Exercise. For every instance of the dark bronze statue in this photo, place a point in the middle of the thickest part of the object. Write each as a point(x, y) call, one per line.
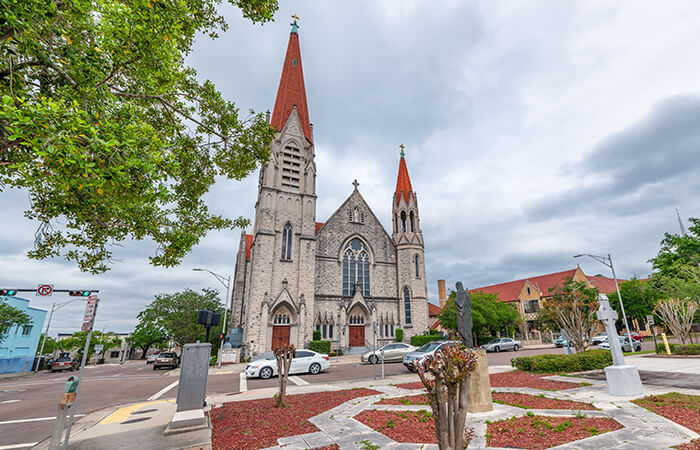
point(463, 302)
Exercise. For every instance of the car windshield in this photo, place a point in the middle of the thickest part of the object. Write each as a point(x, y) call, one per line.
point(166, 355)
point(429, 347)
point(494, 341)
point(264, 355)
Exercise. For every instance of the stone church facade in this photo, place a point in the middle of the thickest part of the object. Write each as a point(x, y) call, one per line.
point(294, 275)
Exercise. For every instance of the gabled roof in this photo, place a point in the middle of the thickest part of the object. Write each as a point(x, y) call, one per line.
point(403, 182)
point(248, 245)
point(433, 310)
point(319, 225)
point(291, 91)
point(605, 285)
point(509, 291)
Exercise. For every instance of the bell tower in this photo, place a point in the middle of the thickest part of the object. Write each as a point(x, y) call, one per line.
point(410, 254)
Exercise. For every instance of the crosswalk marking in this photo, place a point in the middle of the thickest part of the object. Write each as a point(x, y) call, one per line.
point(38, 419)
point(244, 382)
point(298, 381)
point(158, 394)
point(13, 446)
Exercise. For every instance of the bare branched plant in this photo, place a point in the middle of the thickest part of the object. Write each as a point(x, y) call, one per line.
point(677, 315)
point(284, 355)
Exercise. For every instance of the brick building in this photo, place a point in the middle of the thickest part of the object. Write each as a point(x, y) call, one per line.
point(294, 275)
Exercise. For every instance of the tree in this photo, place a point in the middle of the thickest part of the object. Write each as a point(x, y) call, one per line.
point(638, 296)
point(677, 315)
point(176, 315)
point(51, 344)
point(110, 133)
point(9, 316)
point(284, 355)
point(451, 368)
point(145, 335)
point(77, 342)
point(678, 251)
point(572, 308)
point(488, 314)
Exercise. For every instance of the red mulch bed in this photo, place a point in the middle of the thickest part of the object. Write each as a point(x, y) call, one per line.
point(515, 379)
point(525, 379)
point(536, 432)
point(420, 399)
point(256, 424)
point(402, 426)
point(683, 409)
point(533, 402)
point(692, 445)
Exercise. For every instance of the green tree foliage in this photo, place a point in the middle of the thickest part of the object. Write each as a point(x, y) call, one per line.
point(489, 315)
point(572, 308)
point(678, 251)
point(175, 315)
point(110, 133)
point(77, 342)
point(9, 316)
point(146, 335)
point(51, 344)
point(639, 298)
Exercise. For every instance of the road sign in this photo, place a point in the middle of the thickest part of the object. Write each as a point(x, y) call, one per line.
point(44, 290)
point(650, 319)
point(90, 311)
point(98, 348)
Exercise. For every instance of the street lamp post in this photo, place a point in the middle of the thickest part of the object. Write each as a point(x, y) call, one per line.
point(608, 262)
point(54, 308)
point(226, 281)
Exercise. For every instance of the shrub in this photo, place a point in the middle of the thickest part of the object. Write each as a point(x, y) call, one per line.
point(661, 348)
point(320, 346)
point(678, 349)
point(417, 341)
point(317, 335)
point(399, 335)
point(578, 362)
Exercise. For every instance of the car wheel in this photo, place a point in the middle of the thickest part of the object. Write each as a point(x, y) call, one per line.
point(372, 359)
point(154, 367)
point(516, 348)
point(315, 368)
point(497, 349)
point(265, 373)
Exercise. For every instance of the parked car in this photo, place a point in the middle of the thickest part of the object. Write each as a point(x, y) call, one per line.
point(150, 359)
point(498, 344)
point(166, 359)
point(62, 363)
point(561, 342)
point(637, 337)
point(305, 361)
point(599, 338)
point(423, 351)
point(625, 344)
point(392, 352)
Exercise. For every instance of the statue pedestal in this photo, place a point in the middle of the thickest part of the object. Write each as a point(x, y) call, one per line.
point(480, 386)
point(623, 380)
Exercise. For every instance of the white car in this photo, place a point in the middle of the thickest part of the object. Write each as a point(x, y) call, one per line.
point(305, 361)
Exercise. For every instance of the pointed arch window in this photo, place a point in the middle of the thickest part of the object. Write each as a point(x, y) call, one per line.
point(403, 221)
point(407, 305)
point(415, 259)
point(287, 242)
point(355, 268)
point(410, 216)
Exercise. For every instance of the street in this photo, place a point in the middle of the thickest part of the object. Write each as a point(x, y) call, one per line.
point(28, 403)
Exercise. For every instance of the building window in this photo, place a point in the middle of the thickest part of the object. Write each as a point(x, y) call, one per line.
point(287, 242)
point(528, 290)
point(531, 306)
point(26, 330)
point(355, 268)
point(325, 331)
point(291, 165)
point(281, 319)
point(114, 354)
point(381, 331)
point(318, 327)
point(407, 305)
point(411, 222)
point(415, 258)
point(403, 221)
point(330, 331)
point(357, 320)
point(392, 329)
point(386, 329)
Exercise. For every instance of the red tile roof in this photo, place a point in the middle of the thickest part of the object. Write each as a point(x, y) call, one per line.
point(433, 310)
point(291, 91)
point(509, 291)
point(605, 285)
point(436, 325)
point(248, 245)
point(319, 225)
point(403, 182)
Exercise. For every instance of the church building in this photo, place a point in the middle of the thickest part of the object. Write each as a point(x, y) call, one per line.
point(294, 275)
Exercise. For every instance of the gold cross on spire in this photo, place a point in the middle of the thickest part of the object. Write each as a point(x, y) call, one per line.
point(402, 153)
point(295, 17)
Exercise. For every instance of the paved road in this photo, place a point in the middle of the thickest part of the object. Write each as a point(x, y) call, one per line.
point(26, 401)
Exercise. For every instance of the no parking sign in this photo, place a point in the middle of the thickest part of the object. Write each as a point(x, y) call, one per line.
point(45, 290)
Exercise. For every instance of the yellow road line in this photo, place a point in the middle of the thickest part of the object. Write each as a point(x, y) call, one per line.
point(124, 413)
point(223, 372)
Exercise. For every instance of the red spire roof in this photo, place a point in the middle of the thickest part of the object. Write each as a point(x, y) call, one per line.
point(403, 182)
point(291, 91)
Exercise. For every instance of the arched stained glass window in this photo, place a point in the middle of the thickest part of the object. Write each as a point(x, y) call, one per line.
point(403, 221)
point(411, 220)
point(407, 305)
point(415, 258)
point(355, 268)
point(287, 242)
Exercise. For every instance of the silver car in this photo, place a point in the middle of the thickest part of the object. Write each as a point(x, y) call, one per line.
point(625, 344)
point(498, 344)
point(392, 352)
point(419, 354)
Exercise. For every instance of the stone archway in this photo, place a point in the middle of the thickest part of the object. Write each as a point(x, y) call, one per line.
point(358, 321)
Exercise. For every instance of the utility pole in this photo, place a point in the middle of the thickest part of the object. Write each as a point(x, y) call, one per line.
point(227, 285)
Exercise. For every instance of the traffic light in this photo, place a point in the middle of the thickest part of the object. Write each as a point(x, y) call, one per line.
point(8, 292)
point(79, 293)
point(221, 336)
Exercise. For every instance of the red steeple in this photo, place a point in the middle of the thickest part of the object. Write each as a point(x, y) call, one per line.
point(403, 182)
point(291, 91)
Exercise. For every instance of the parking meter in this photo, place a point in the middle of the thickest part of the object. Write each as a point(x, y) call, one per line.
point(71, 388)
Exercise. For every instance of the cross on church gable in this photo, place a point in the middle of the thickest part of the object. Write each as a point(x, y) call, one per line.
point(355, 183)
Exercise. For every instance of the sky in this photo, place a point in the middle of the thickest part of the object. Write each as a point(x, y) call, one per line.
point(534, 131)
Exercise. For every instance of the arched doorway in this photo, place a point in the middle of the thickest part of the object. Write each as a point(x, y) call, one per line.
point(281, 323)
point(356, 327)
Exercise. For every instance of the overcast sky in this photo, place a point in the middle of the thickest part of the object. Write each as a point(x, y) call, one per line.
point(533, 131)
